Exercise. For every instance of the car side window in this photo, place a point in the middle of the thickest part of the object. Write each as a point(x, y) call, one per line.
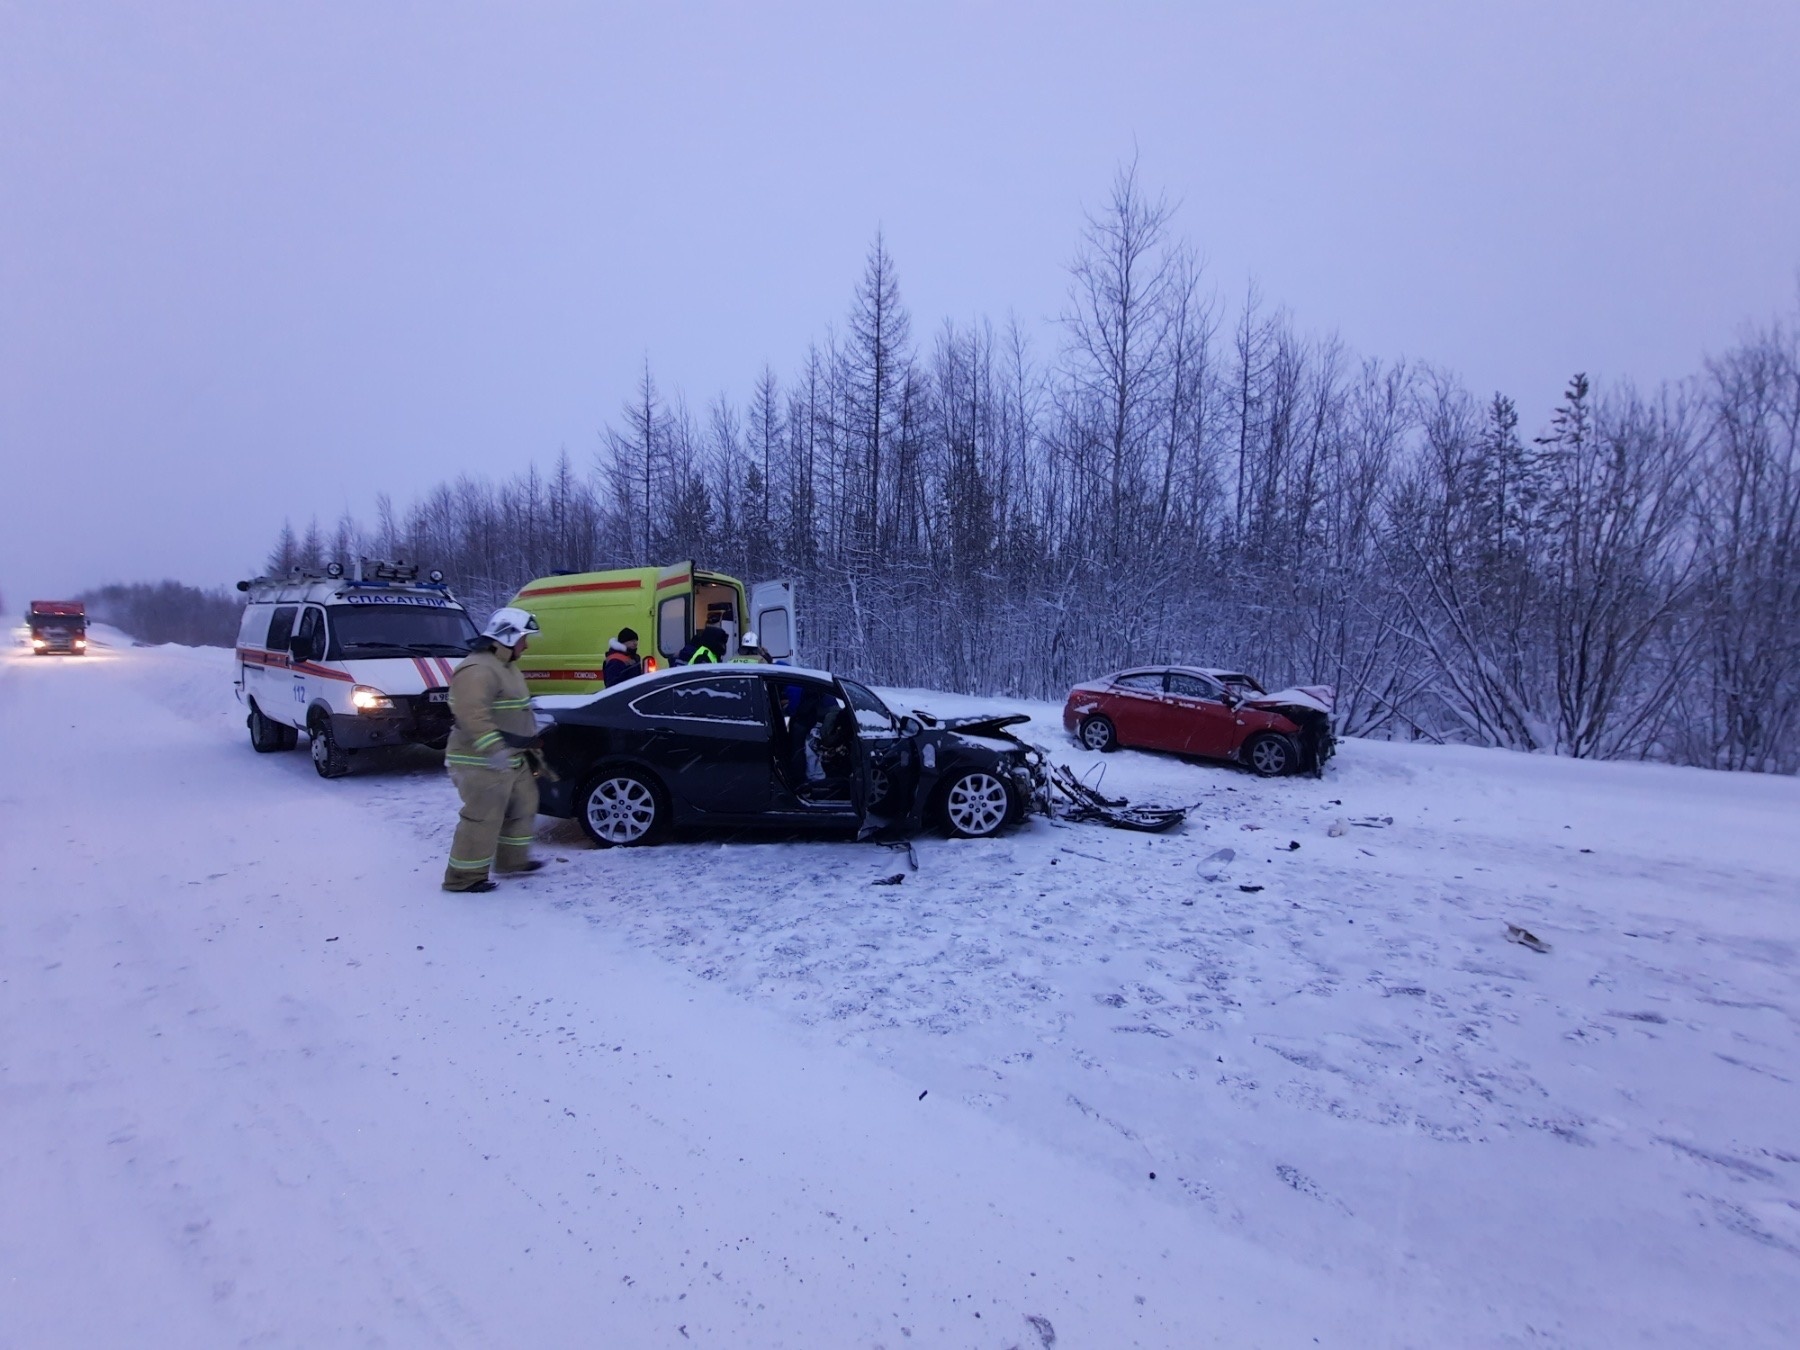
point(736, 701)
point(1144, 682)
point(281, 628)
point(1192, 686)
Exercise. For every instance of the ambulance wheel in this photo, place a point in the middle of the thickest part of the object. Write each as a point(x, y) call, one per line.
point(268, 736)
point(1097, 733)
point(976, 805)
point(328, 757)
point(623, 808)
point(1270, 755)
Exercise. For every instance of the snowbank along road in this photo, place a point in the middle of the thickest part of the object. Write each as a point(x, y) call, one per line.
point(1279, 1078)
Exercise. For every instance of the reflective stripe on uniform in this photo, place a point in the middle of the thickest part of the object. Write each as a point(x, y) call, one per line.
point(493, 738)
point(516, 839)
point(464, 865)
point(511, 703)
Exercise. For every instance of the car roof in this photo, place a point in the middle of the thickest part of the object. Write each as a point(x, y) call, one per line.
point(678, 674)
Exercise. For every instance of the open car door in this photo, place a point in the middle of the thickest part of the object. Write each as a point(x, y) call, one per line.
point(674, 611)
point(772, 619)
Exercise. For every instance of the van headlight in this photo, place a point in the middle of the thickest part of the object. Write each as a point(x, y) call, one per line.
point(366, 698)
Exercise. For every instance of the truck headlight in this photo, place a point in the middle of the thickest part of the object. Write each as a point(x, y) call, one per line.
point(366, 698)
point(38, 643)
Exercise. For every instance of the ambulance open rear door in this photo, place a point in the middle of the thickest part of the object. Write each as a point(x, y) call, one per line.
point(772, 618)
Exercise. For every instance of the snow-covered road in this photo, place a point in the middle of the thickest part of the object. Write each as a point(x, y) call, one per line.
point(261, 1082)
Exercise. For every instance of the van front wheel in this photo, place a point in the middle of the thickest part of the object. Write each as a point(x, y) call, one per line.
point(328, 757)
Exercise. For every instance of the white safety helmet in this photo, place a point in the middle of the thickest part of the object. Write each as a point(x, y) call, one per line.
point(507, 626)
point(748, 642)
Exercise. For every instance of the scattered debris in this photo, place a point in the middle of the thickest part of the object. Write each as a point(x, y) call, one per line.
point(922, 1094)
point(1251, 890)
point(1217, 860)
point(1041, 1325)
point(1248, 826)
point(1374, 822)
point(1085, 803)
point(894, 880)
point(1526, 938)
point(1337, 830)
point(1091, 857)
point(1293, 845)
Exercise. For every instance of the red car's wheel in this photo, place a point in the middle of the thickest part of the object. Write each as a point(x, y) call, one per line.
point(1271, 755)
point(1097, 733)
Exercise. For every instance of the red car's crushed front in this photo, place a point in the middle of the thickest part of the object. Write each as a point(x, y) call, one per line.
point(1215, 714)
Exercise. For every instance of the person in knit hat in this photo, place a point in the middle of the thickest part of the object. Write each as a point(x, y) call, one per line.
point(622, 662)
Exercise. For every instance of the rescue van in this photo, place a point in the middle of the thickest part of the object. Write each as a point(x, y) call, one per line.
point(353, 661)
point(580, 612)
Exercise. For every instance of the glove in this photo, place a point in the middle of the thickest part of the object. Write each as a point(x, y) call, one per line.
point(518, 742)
point(540, 767)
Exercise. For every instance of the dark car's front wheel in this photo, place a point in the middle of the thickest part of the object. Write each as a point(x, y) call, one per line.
point(621, 808)
point(976, 804)
point(1097, 733)
point(1271, 755)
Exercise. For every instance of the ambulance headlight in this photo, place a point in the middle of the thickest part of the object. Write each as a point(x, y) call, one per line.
point(366, 698)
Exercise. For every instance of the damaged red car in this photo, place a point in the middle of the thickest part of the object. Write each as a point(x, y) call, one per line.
point(1213, 714)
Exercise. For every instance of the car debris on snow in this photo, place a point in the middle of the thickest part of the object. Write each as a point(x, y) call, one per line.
point(1526, 938)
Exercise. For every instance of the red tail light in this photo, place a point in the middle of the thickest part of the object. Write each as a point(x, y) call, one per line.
point(650, 666)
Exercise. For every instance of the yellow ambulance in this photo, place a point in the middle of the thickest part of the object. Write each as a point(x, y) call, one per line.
point(581, 612)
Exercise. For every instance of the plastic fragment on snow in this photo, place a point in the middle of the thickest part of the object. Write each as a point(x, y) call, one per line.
point(1251, 890)
point(894, 880)
point(1526, 938)
point(1337, 829)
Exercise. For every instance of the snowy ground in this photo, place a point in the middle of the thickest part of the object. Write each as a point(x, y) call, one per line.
point(262, 1083)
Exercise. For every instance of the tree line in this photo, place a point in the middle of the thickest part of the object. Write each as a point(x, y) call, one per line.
point(1179, 479)
point(168, 611)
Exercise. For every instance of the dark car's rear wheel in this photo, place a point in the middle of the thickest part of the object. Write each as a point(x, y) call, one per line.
point(1097, 733)
point(1271, 755)
point(976, 804)
point(621, 808)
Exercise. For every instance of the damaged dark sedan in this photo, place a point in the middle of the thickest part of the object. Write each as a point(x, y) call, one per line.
point(757, 746)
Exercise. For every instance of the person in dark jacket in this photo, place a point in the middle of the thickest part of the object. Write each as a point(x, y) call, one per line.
point(707, 648)
point(622, 661)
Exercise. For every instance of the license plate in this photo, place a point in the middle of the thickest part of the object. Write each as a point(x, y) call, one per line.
point(438, 696)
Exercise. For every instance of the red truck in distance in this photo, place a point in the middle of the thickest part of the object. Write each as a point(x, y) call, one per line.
point(57, 626)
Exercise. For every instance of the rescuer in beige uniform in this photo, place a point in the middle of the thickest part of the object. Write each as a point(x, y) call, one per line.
point(489, 756)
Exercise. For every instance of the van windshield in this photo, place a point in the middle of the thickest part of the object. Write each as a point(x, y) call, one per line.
point(398, 630)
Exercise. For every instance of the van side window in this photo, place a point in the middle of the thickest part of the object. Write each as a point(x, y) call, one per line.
point(312, 632)
point(281, 627)
point(672, 625)
point(255, 627)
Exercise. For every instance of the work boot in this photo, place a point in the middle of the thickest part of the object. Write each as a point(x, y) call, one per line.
point(530, 865)
point(463, 882)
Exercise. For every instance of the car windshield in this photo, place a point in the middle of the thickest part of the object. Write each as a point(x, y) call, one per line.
point(1240, 684)
point(399, 630)
point(871, 713)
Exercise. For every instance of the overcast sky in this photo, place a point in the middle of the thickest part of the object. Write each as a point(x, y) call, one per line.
point(267, 260)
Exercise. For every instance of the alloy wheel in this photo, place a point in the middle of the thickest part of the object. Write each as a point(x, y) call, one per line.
point(621, 810)
point(976, 804)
